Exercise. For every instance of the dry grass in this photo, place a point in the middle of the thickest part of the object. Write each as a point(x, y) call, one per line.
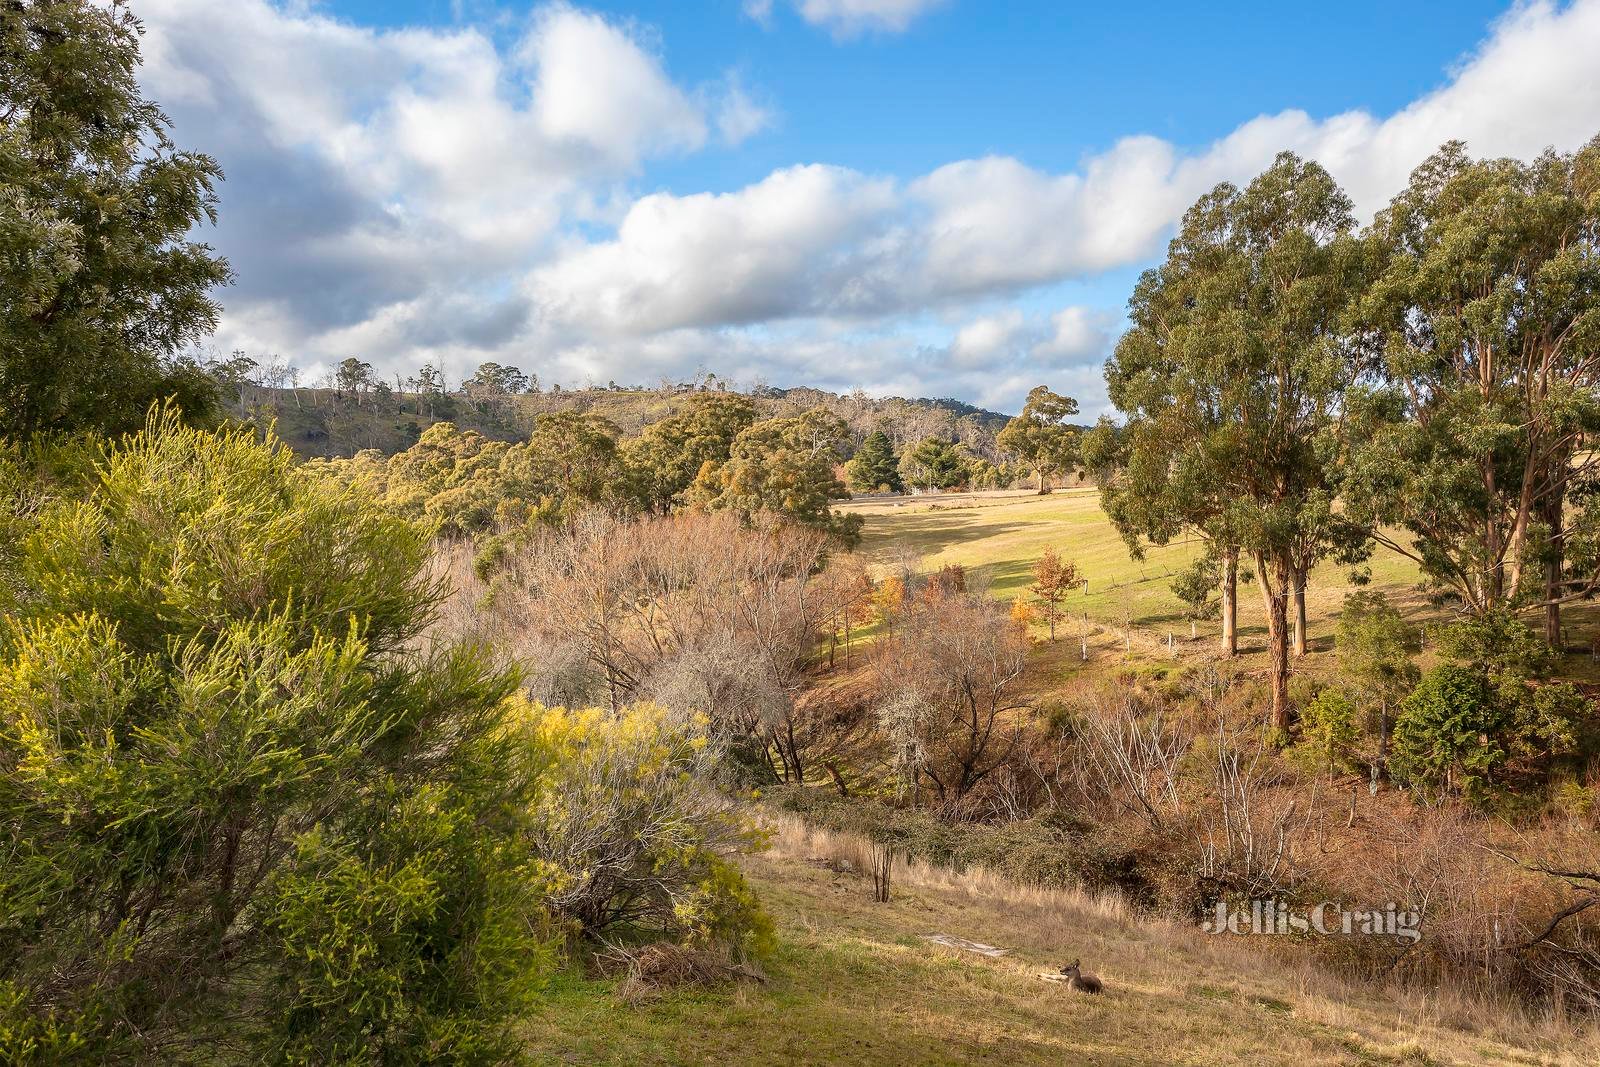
point(855, 983)
point(1005, 533)
point(1145, 958)
point(1002, 535)
point(653, 969)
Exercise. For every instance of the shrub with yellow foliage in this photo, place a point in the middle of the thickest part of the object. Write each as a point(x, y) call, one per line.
point(631, 836)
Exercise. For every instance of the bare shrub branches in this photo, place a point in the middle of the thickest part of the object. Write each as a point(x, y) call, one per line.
point(696, 611)
point(947, 684)
point(1129, 756)
point(1250, 836)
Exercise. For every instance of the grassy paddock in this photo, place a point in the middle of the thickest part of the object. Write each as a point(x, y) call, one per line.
point(1002, 535)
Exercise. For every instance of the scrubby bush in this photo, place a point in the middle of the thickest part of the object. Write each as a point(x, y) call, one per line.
point(1197, 585)
point(631, 837)
point(1473, 724)
point(1448, 733)
point(1330, 728)
point(240, 817)
point(947, 693)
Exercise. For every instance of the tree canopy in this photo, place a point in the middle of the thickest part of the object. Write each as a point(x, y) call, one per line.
point(101, 285)
point(1041, 436)
point(874, 467)
point(1477, 439)
point(1233, 375)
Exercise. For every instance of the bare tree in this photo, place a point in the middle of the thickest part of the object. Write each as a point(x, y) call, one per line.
point(699, 611)
point(947, 684)
point(1251, 834)
point(1129, 756)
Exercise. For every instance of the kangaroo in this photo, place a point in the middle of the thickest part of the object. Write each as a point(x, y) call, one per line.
point(1080, 982)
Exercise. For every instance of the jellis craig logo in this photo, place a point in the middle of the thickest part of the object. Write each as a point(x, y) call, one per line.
point(1329, 919)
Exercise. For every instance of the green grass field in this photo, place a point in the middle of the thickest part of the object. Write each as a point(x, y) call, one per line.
point(1003, 535)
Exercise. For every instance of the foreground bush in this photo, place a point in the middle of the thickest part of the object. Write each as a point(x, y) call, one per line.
point(239, 819)
point(632, 837)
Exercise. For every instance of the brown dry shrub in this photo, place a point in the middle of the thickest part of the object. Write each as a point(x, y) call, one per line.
point(650, 970)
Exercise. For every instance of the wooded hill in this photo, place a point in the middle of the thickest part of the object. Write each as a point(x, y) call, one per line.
point(333, 421)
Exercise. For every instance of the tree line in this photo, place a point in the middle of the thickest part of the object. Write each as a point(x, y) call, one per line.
point(1297, 389)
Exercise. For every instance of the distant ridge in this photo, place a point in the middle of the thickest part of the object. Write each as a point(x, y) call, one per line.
point(330, 422)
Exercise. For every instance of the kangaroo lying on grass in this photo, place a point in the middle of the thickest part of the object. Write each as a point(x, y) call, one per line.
point(1080, 982)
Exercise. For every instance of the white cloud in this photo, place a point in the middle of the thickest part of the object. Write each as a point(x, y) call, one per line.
point(596, 87)
point(426, 194)
point(370, 167)
point(739, 116)
point(791, 244)
point(999, 356)
point(850, 18)
point(991, 360)
point(1075, 332)
point(759, 10)
point(983, 340)
point(826, 241)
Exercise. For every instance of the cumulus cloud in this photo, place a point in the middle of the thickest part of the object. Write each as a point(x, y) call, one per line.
point(791, 244)
point(826, 241)
point(432, 194)
point(1000, 356)
point(595, 87)
point(991, 359)
point(373, 168)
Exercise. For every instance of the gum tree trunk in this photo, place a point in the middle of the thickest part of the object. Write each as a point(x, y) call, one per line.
point(1276, 584)
point(1299, 612)
point(1230, 601)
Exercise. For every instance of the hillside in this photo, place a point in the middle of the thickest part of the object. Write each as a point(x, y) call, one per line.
point(325, 422)
point(855, 983)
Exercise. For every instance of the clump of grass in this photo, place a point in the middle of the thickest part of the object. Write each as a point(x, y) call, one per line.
point(651, 970)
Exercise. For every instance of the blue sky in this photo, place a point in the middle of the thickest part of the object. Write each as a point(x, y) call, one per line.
point(1027, 79)
point(937, 197)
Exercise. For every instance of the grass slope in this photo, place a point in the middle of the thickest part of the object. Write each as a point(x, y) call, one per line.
point(855, 983)
point(1003, 534)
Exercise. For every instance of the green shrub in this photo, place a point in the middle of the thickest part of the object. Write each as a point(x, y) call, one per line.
point(1330, 727)
point(1456, 733)
point(630, 834)
point(1472, 725)
point(1447, 735)
point(239, 813)
point(1196, 585)
point(368, 940)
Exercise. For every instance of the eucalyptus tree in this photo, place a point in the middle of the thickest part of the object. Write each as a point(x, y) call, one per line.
point(101, 285)
point(663, 461)
point(1041, 436)
point(1479, 452)
point(784, 465)
point(1153, 492)
point(1232, 379)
